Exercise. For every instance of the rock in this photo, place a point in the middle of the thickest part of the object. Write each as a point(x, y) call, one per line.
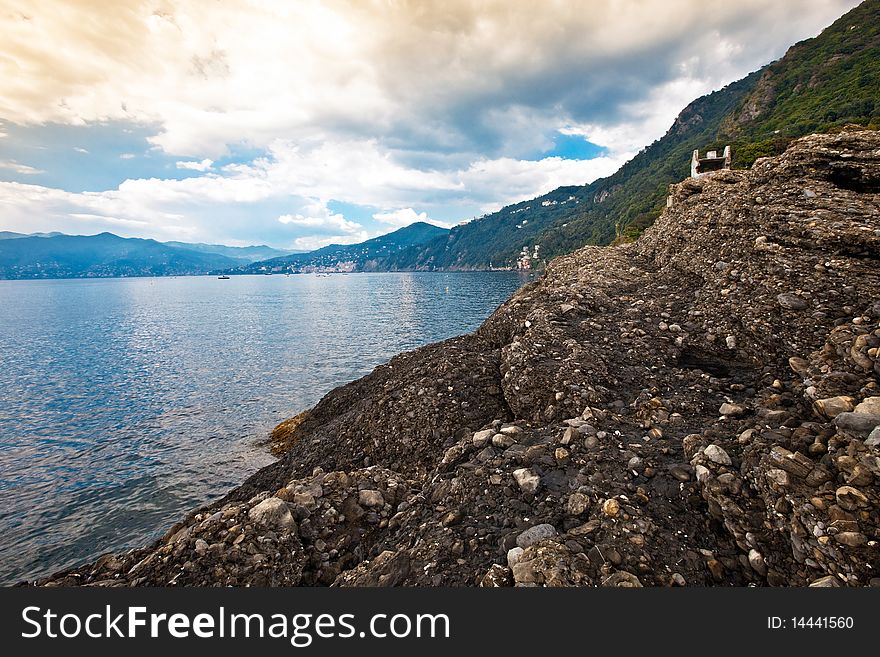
point(201, 546)
point(791, 302)
point(792, 462)
point(536, 534)
point(873, 439)
point(497, 576)
point(513, 556)
point(731, 410)
point(778, 477)
point(452, 518)
point(850, 498)
point(371, 499)
point(860, 424)
point(622, 579)
point(756, 561)
point(730, 341)
point(829, 581)
point(565, 308)
point(611, 507)
point(852, 539)
point(869, 406)
point(502, 441)
point(831, 407)
point(527, 480)
point(577, 504)
point(482, 438)
point(273, 512)
point(717, 455)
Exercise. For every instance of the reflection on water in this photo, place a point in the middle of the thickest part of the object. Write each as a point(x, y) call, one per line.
point(126, 402)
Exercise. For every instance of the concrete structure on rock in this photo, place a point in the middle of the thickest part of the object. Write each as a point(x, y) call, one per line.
point(712, 162)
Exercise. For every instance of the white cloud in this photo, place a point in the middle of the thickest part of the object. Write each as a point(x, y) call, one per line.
point(318, 217)
point(312, 242)
point(80, 150)
point(405, 217)
point(204, 165)
point(12, 165)
point(127, 156)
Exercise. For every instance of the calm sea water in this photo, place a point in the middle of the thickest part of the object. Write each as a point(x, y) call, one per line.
point(124, 403)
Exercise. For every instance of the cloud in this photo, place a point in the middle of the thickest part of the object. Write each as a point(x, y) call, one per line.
point(312, 242)
point(12, 165)
point(445, 107)
point(319, 218)
point(80, 150)
point(405, 217)
point(204, 165)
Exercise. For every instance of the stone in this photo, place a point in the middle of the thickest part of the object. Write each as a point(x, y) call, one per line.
point(502, 441)
point(536, 534)
point(273, 512)
point(482, 438)
point(201, 546)
point(527, 480)
point(513, 556)
point(778, 477)
point(852, 539)
point(831, 407)
point(371, 499)
point(497, 576)
point(756, 561)
point(565, 308)
point(622, 579)
point(794, 463)
point(850, 498)
point(859, 424)
point(869, 406)
point(731, 410)
point(611, 507)
point(829, 581)
point(577, 504)
point(791, 301)
point(873, 439)
point(730, 341)
point(717, 455)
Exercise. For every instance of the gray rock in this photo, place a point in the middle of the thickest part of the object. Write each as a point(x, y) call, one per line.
point(873, 439)
point(577, 504)
point(273, 512)
point(371, 499)
point(717, 455)
point(860, 424)
point(482, 438)
point(791, 301)
point(731, 410)
point(513, 556)
point(829, 581)
point(527, 480)
point(535, 534)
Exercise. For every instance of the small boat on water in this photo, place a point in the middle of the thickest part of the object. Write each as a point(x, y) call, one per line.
point(223, 278)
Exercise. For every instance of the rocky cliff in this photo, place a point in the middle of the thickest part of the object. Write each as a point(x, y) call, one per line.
point(700, 407)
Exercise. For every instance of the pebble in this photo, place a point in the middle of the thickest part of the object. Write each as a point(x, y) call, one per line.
point(829, 581)
point(731, 410)
point(791, 301)
point(273, 512)
point(534, 535)
point(577, 504)
point(482, 438)
point(527, 480)
point(611, 507)
point(513, 556)
point(831, 407)
point(717, 455)
point(371, 499)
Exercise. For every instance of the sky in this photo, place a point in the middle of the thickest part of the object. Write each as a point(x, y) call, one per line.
point(303, 123)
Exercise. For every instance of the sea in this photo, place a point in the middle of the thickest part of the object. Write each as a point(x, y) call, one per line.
point(125, 403)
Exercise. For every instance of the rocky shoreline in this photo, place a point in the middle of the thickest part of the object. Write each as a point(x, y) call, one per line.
point(701, 407)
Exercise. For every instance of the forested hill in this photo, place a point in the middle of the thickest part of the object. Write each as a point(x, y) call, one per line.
point(819, 85)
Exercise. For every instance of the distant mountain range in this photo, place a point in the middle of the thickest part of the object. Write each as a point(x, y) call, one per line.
point(55, 255)
point(372, 255)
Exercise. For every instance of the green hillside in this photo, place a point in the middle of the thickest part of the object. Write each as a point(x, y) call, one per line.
point(819, 85)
